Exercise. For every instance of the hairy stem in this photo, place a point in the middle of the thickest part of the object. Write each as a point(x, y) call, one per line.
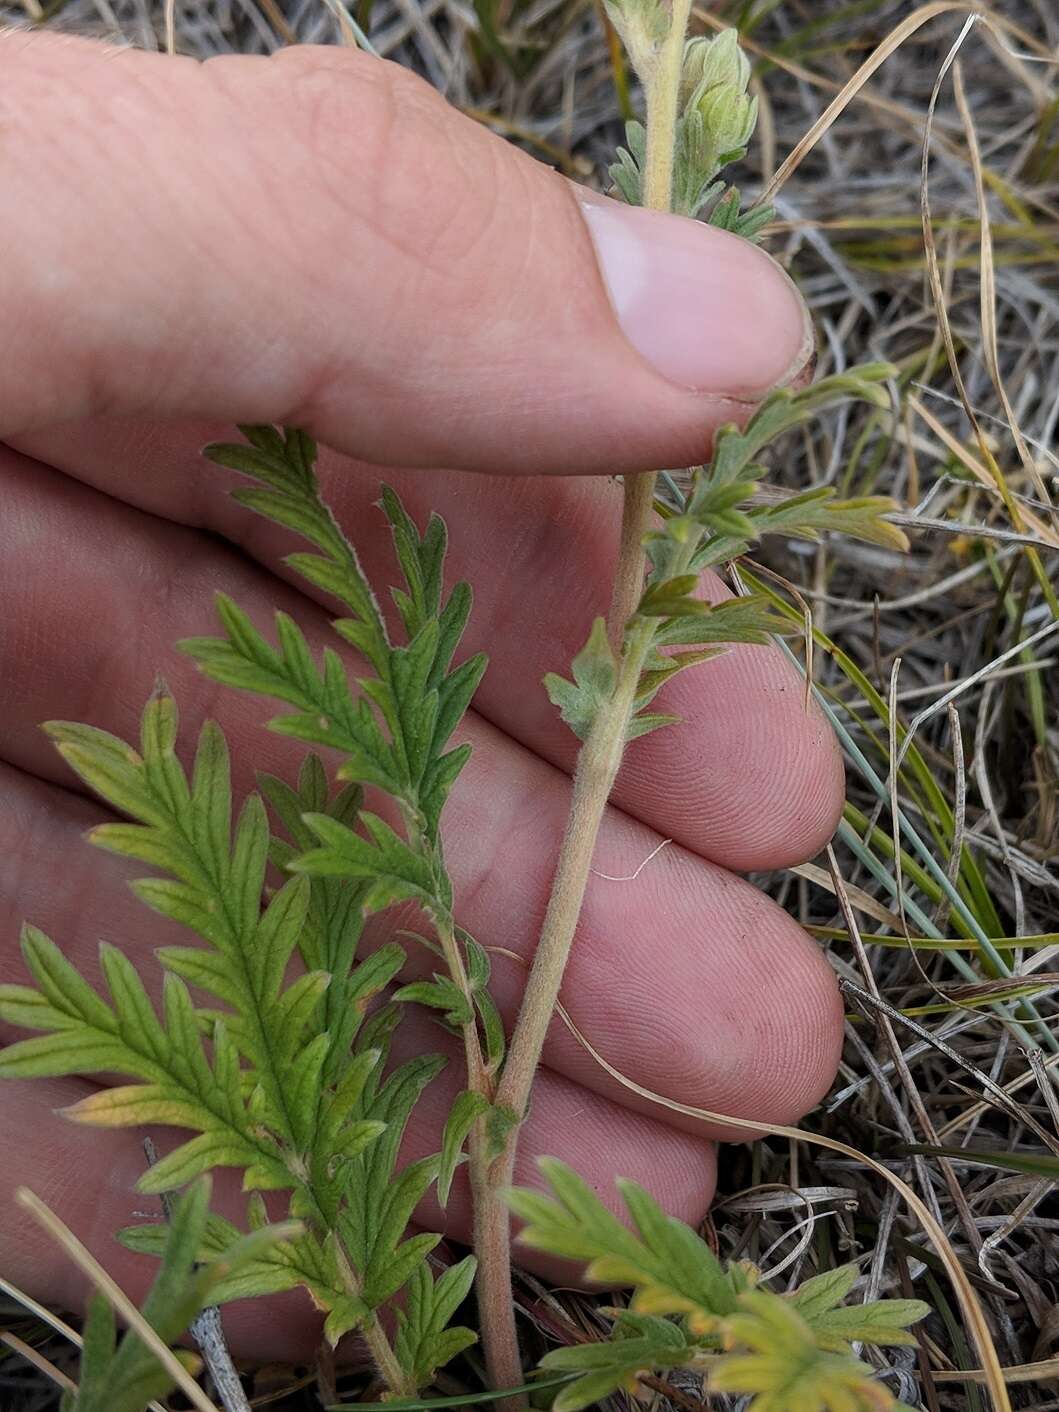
point(597, 767)
point(639, 495)
point(397, 1382)
point(493, 1285)
point(661, 82)
point(492, 1247)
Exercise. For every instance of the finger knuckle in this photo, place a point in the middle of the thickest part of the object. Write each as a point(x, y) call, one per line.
point(357, 119)
point(399, 164)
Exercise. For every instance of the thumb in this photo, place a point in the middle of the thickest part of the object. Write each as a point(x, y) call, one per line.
point(317, 238)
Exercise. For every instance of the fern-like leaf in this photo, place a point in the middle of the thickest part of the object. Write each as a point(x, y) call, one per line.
point(395, 735)
point(426, 1338)
point(786, 1351)
point(670, 1267)
point(178, 1085)
point(293, 1100)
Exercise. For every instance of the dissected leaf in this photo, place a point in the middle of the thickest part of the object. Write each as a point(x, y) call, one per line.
point(810, 514)
point(783, 1366)
point(426, 1340)
point(787, 1351)
point(466, 1110)
point(395, 733)
point(392, 871)
point(379, 1198)
point(670, 1267)
point(595, 673)
point(443, 994)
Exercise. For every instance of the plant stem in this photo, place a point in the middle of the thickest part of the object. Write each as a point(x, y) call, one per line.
point(597, 767)
point(493, 1284)
point(492, 1247)
point(639, 495)
point(662, 96)
point(385, 1359)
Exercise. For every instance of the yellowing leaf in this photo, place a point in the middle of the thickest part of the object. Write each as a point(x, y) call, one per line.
point(135, 1104)
point(778, 1359)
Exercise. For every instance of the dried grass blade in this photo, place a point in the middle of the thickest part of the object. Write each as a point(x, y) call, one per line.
point(40, 1312)
point(973, 1314)
point(46, 1316)
point(842, 100)
point(937, 294)
point(42, 1364)
point(1041, 1372)
point(90, 1266)
point(988, 291)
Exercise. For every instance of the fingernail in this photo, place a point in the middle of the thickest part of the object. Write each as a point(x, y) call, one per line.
point(705, 308)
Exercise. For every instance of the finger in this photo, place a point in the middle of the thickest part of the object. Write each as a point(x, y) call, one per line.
point(43, 822)
point(328, 244)
point(604, 1141)
point(88, 1177)
point(752, 778)
point(687, 978)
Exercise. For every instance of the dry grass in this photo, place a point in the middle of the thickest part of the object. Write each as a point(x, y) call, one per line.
point(938, 667)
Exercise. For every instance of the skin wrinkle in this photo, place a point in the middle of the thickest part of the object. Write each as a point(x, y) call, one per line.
point(148, 346)
point(460, 231)
point(535, 235)
point(540, 540)
point(802, 804)
point(300, 352)
point(18, 828)
point(301, 331)
point(389, 118)
point(89, 124)
point(331, 116)
point(700, 923)
point(715, 802)
point(44, 813)
point(542, 789)
point(719, 1068)
point(48, 807)
point(281, 236)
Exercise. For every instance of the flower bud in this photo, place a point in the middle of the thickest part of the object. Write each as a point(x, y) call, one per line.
point(728, 116)
point(709, 62)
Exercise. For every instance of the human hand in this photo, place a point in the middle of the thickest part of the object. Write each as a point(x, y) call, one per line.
point(318, 240)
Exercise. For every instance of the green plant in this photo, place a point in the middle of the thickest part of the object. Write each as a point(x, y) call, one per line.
point(788, 1352)
point(272, 1042)
point(292, 1090)
point(123, 1375)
